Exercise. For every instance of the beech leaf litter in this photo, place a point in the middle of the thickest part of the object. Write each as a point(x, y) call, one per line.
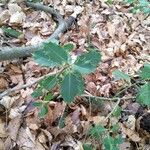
point(124, 41)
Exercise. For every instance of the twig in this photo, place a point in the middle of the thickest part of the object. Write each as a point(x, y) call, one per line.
point(9, 91)
point(116, 105)
point(107, 98)
point(9, 53)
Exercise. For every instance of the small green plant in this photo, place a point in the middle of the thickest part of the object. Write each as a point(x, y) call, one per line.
point(139, 6)
point(70, 78)
point(43, 105)
point(143, 83)
point(108, 137)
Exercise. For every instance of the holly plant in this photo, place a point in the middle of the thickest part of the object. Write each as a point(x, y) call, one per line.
point(70, 78)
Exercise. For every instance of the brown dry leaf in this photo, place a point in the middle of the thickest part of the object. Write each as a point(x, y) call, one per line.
point(15, 69)
point(125, 146)
point(13, 8)
point(4, 16)
point(2, 145)
point(26, 139)
point(130, 123)
point(55, 112)
point(13, 127)
point(98, 120)
point(17, 18)
point(3, 132)
point(130, 133)
point(91, 87)
point(7, 101)
point(3, 84)
point(75, 116)
point(105, 89)
point(67, 142)
point(17, 111)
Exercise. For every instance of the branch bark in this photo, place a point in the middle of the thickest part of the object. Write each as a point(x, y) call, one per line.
point(17, 88)
point(9, 53)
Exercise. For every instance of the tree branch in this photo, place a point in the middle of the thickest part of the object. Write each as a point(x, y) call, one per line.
point(17, 88)
point(9, 53)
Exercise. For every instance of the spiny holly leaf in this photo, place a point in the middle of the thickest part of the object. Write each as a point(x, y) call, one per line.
point(45, 85)
point(68, 47)
point(50, 55)
point(42, 59)
point(56, 53)
point(71, 86)
point(87, 62)
point(145, 72)
point(97, 131)
point(144, 94)
point(120, 75)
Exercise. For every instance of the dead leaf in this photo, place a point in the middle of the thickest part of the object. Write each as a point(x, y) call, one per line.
point(130, 133)
point(3, 84)
point(14, 126)
point(3, 132)
point(17, 18)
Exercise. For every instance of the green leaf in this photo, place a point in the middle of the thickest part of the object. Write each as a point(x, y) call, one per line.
point(120, 75)
point(11, 32)
point(87, 147)
point(115, 128)
point(42, 59)
point(97, 131)
point(118, 140)
point(49, 82)
point(44, 85)
point(117, 111)
point(37, 104)
point(145, 72)
point(43, 111)
point(50, 55)
point(71, 86)
point(56, 53)
point(110, 143)
point(68, 47)
point(87, 62)
point(144, 94)
point(48, 97)
point(37, 93)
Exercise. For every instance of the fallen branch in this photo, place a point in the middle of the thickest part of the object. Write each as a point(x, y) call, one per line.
point(9, 53)
point(17, 88)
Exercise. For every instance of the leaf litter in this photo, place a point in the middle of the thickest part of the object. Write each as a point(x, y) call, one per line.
point(123, 39)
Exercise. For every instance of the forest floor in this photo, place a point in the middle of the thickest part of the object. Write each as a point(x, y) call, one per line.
point(123, 38)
